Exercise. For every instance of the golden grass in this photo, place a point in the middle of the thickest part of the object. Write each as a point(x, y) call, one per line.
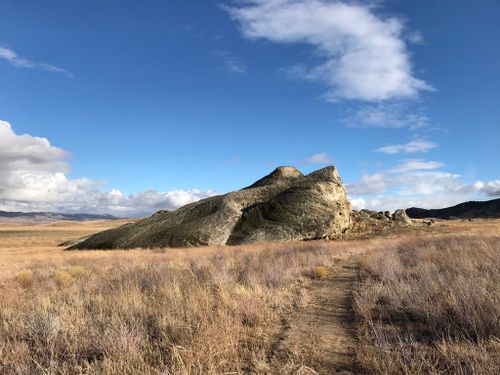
point(320, 272)
point(62, 278)
point(431, 306)
point(164, 311)
point(22, 245)
point(25, 278)
point(176, 311)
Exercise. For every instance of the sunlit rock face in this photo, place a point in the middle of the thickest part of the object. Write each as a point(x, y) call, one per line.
point(282, 206)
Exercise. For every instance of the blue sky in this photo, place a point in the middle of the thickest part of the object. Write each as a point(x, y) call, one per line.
point(145, 105)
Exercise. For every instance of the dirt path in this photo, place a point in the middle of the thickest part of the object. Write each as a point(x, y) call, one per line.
point(324, 329)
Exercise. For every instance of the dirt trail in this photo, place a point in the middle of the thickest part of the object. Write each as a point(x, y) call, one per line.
point(324, 329)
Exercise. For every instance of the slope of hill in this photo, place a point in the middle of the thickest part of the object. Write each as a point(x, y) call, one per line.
point(466, 210)
point(41, 217)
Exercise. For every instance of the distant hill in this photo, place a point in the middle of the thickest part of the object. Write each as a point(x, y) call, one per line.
point(466, 210)
point(50, 216)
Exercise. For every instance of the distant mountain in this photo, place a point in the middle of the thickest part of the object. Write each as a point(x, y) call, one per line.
point(52, 216)
point(466, 210)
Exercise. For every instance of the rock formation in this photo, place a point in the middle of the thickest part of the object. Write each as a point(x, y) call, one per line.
point(283, 206)
point(367, 222)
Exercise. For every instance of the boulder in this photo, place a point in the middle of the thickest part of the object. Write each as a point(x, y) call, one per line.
point(282, 206)
point(400, 217)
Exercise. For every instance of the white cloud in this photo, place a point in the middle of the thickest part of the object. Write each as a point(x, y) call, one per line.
point(320, 158)
point(490, 188)
point(363, 54)
point(417, 183)
point(416, 165)
point(25, 152)
point(416, 37)
point(33, 178)
point(397, 115)
point(19, 62)
point(369, 184)
point(232, 64)
point(417, 145)
point(357, 203)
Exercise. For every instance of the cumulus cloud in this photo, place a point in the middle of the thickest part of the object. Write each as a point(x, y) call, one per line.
point(490, 188)
point(357, 203)
point(19, 62)
point(369, 184)
point(414, 146)
point(362, 55)
point(232, 64)
point(25, 152)
point(417, 183)
point(33, 177)
point(320, 158)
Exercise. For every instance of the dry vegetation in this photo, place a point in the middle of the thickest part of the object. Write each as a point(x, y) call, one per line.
point(424, 306)
point(431, 307)
point(202, 311)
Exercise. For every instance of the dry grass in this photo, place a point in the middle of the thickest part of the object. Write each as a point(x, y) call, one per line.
point(431, 307)
point(177, 311)
point(203, 311)
point(319, 272)
point(25, 278)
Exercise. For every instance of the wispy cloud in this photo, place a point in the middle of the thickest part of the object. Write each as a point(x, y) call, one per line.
point(19, 62)
point(232, 64)
point(414, 146)
point(416, 165)
point(397, 115)
point(415, 37)
point(320, 158)
point(363, 55)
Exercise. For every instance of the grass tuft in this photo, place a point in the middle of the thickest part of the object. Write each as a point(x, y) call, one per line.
point(25, 278)
point(319, 272)
point(63, 278)
point(76, 271)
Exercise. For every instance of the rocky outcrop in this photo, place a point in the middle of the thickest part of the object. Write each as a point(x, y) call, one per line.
point(366, 222)
point(400, 217)
point(283, 206)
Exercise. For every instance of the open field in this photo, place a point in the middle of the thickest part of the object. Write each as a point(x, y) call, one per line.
point(422, 298)
point(21, 245)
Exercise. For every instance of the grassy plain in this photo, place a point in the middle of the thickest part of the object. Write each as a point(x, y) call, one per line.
point(226, 310)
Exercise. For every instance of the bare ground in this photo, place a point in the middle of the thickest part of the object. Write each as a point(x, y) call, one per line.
point(325, 326)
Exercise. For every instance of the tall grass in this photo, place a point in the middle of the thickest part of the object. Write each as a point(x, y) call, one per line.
point(431, 307)
point(158, 314)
